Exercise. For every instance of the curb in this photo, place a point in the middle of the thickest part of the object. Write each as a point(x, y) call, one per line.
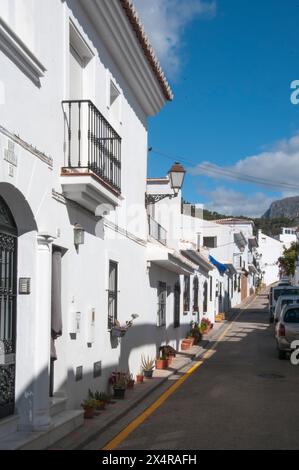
point(205, 345)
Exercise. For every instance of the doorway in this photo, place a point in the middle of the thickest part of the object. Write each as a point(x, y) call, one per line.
point(8, 309)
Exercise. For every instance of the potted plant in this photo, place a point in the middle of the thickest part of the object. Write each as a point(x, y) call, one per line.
point(139, 377)
point(162, 362)
point(118, 330)
point(195, 333)
point(169, 351)
point(148, 365)
point(130, 380)
point(119, 386)
point(89, 406)
point(205, 325)
point(99, 401)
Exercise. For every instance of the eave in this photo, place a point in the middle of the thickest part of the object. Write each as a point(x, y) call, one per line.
point(113, 27)
point(170, 260)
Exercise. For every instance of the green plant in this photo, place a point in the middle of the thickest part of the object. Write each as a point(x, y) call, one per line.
point(147, 363)
point(89, 403)
point(287, 262)
point(101, 396)
point(120, 381)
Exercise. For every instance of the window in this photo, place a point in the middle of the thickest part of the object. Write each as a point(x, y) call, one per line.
point(292, 316)
point(210, 242)
point(205, 297)
point(239, 283)
point(211, 288)
point(235, 283)
point(186, 293)
point(112, 293)
point(177, 301)
point(114, 101)
point(195, 294)
point(162, 294)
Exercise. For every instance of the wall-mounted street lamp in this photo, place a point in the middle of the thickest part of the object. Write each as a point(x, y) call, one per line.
point(176, 177)
point(78, 235)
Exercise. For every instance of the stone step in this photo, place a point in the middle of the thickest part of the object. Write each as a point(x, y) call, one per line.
point(57, 405)
point(62, 424)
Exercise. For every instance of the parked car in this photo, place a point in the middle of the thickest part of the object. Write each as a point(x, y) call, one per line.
point(277, 291)
point(287, 329)
point(281, 302)
point(284, 282)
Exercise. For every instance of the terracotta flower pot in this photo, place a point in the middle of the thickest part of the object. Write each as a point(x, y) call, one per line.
point(130, 383)
point(101, 405)
point(161, 363)
point(185, 345)
point(88, 413)
point(139, 379)
point(191, 340)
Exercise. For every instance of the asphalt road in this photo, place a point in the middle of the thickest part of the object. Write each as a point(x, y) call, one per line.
point(242, 397)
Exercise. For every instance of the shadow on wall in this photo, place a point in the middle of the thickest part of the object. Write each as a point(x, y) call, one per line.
point(19, 208)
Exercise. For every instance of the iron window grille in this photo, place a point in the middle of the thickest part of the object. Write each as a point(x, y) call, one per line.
point(157, 231)
point(186, 293)
point(211, 288)
point(205, 297)
point(195, 294)
point(112, 294)
point(162, 295)
point(92, 144)
point(177, 303)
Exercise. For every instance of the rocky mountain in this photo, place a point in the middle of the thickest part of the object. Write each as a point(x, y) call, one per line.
point(287, 207)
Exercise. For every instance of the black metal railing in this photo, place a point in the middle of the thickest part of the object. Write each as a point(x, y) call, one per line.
point(157, 231)
point(91, 142)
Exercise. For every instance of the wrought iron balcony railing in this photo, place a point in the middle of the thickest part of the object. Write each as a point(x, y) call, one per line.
point(157, 231)
point(91, 142)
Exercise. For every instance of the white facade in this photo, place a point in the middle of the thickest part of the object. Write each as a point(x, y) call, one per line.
point(288, 236)
point(56, 51)
point(269, 250)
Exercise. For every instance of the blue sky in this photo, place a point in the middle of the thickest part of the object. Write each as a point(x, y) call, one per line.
point(230, 64)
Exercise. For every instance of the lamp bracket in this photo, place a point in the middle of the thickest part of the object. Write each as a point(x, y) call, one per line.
point(153, 198)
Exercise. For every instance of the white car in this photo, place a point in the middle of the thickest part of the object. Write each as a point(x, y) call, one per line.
point(278, 291)
point(281, 302)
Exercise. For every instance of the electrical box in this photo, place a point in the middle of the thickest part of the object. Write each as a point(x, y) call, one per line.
point(75, 322)
point(91, 318)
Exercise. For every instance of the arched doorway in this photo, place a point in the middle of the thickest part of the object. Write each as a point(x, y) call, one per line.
point(8, 292)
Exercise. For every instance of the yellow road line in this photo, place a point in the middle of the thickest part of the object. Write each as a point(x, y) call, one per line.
point(143, 416)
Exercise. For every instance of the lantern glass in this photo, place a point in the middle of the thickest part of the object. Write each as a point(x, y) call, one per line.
point(176, 175)
point(78, 235)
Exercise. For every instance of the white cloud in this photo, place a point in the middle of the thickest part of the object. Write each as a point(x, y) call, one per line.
point(164, 22)
point(279, 165)
point(231, 202)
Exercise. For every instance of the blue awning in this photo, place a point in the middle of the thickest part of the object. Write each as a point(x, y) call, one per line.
point(222, 268)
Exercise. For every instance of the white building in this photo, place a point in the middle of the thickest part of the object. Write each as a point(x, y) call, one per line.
point(78, 81)
point(288, 236)
point(269, 250)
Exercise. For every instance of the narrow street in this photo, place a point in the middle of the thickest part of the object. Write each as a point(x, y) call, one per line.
point(242, 397)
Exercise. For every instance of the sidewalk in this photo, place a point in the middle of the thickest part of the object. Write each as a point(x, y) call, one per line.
point(120, 408)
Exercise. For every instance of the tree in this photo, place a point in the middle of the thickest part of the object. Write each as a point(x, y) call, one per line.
point(287, 262)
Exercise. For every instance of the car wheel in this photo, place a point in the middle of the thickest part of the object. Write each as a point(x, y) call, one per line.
point(281, 354)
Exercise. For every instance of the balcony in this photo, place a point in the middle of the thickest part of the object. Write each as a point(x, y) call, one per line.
point(92, 176)
point(156, 231)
